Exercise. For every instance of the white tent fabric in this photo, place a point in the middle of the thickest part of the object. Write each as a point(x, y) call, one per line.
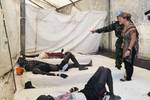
point(11, 17)
point(50, 4)
point(60, 3)
point(10, 11)
point(50, 31)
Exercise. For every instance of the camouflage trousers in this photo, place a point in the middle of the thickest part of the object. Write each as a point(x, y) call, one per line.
point(118, 57)
point(118, 53)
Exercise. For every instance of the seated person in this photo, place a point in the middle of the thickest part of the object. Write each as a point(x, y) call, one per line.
point(93, 90)
point(35, 66)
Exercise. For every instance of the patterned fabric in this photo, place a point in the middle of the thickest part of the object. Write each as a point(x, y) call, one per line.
point(127, 39)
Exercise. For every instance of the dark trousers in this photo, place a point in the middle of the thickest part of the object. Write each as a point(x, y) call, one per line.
point(45, 67)
point(67, 57)
point(95, 87)
point(118, 56)
point(129, 65)
point(118, 52)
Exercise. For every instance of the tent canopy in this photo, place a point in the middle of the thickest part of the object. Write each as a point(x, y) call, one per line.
point(56, 4)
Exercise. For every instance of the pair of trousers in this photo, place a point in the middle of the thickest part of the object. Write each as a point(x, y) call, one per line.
point(95, 87)
point(129, 65)
point(118, 56)
point(67, 57)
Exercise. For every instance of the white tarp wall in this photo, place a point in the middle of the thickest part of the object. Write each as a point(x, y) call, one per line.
point(135, 7)
point(11, 16)
point(50, 31)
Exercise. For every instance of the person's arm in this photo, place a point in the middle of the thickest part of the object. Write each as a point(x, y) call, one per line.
point(133, 39)
point(133, 36)
point(108, 28)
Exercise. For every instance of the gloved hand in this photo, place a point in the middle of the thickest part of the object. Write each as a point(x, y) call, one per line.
point(101, 30)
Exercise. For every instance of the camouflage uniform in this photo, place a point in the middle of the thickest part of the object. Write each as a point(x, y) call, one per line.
point(118, 29)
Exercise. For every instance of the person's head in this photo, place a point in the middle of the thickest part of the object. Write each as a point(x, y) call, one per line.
point(123, 17)
point(66, 96)
point(44, 97)
point(21, 61)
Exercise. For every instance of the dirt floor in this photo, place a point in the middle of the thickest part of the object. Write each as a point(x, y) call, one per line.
point(143, 63)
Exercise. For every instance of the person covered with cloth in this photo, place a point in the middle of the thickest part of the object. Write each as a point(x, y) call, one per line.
point(94, 89)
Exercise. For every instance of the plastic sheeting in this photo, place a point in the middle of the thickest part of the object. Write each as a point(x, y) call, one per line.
point(51, 31)
point(11, 18)
point(133, 90)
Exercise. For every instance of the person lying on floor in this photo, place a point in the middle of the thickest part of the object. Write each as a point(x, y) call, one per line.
point(94, 89)
point(42, 67)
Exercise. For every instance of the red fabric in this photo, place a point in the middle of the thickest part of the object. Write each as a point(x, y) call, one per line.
point(55, 55)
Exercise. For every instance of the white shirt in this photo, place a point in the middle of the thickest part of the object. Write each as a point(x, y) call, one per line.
point(78, 96)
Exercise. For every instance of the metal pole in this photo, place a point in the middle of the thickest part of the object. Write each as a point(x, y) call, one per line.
point(22, 27)
point(109, 21)
point(36, 4)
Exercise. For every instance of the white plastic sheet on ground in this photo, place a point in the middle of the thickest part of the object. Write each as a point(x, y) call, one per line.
point(136, 89)
point(51, 31)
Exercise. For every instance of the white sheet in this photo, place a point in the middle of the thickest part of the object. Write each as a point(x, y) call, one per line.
point(51, 31)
